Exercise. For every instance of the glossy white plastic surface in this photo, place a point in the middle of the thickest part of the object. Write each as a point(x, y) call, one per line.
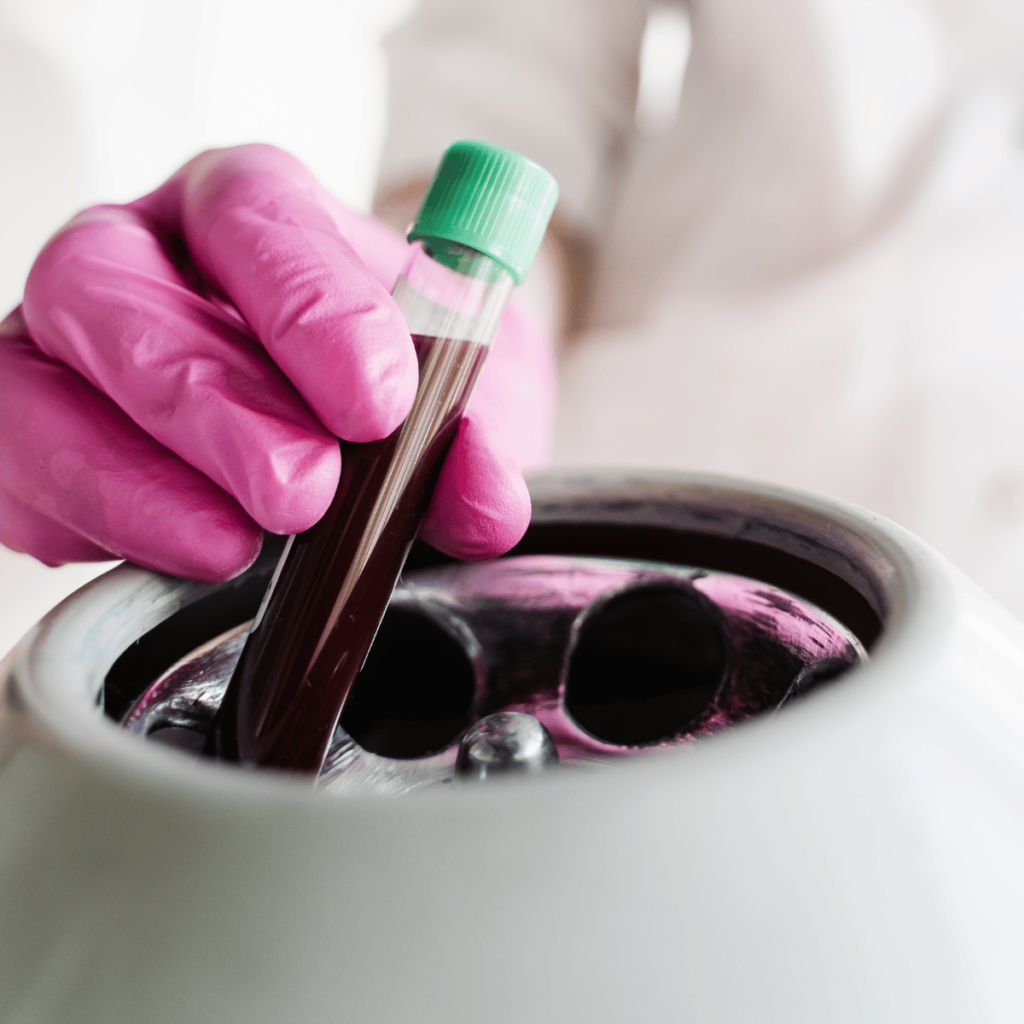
point(858, 857)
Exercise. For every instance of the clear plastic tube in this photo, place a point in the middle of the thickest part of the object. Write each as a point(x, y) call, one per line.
point(331, 588)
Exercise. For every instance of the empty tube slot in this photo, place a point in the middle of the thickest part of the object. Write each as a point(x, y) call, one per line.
point(414, 694)
point(646, 665)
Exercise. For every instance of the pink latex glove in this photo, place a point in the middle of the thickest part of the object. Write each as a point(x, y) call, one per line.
point(181, 366)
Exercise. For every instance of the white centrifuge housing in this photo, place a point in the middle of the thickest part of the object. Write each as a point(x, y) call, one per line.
point(854, 855)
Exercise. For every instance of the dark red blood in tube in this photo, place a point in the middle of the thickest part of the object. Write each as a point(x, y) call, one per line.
point(322, 611)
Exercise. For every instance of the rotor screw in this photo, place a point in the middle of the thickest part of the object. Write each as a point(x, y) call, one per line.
point(504, 743)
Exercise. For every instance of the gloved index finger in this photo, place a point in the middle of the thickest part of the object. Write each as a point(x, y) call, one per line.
point(255, 224)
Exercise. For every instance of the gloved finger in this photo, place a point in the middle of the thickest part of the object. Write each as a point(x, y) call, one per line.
point(26, 530)
point(383, 250)
point(70, 453)
point(256, 224)
point(481, 505)
point(105, 298)
point(518, 387)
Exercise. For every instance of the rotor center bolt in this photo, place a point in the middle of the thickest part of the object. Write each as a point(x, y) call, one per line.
point(505, 742)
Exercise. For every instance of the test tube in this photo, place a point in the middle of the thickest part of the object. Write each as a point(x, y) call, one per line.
point(477, 231)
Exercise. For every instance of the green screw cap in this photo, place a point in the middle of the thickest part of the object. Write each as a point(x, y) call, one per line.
point(491, 199)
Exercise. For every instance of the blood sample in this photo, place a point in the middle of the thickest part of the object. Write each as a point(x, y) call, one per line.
point(477, 231)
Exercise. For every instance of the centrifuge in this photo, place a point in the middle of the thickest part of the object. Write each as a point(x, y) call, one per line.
point(698, 749)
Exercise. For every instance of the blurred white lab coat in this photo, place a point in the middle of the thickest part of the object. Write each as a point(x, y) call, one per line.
point(814, 276)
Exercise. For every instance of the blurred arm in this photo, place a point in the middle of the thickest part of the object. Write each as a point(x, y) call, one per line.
point(556, 81)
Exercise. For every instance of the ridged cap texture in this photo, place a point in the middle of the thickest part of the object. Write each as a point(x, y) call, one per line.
point(492, 199)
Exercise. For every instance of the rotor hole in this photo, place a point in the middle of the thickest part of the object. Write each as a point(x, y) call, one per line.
point(415, 692)
point(647, 665)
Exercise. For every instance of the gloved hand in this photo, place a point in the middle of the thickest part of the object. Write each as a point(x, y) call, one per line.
point(181, 366)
